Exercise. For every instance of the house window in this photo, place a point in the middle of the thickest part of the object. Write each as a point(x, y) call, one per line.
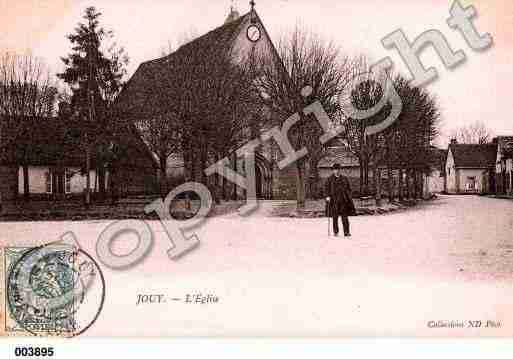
point(67, 184)
point(48, 181)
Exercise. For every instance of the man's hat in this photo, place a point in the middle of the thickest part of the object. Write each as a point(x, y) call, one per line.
point(336, 166)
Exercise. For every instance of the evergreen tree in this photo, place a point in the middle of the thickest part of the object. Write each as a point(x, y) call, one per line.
point(94, 74)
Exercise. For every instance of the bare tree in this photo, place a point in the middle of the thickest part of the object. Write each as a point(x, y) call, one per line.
point(202, 109)
point(404, 146)
point(27, 96)
point(305, 59)
point(160, 133)
point(363, 92)
point(476, 132)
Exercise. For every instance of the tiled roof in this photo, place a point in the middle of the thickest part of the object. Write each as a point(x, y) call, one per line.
point(340, 155)
point(474, 156)
point(138, 96)
point(46, 143)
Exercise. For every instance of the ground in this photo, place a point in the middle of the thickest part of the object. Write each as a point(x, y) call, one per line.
point(448, 259)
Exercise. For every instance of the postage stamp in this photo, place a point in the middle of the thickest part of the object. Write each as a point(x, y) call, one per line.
point(52, 290)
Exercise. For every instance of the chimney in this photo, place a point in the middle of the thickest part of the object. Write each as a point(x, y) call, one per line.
point(233, 15)
point(454, 141)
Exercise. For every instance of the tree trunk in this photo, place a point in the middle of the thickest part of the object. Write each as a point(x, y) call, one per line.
point(411, 184)
point(400, 184)
point(26, 182)
point(366, 177)
point(88, 178)
point(203, 165)
point(361, 175)
point(405, 184)
point(217, 193)
point(414, 183)
point(186, 162)
point(113, 183)
point(163, 177)
point(390, 184)
point(314, 179)
point(300, 185)
point(223, 187)
point(422, 187)
point(377, 182)
point(234, 194)
point(101, 180)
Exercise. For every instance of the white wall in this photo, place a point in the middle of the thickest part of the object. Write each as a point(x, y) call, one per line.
point(79, 181)
point(451, 173)
point(37, 179)
point(434, 183)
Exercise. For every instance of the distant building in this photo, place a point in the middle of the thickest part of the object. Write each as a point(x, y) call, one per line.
point(504, 164)
point(469, 168)
point(433, 181)
point(346, 159)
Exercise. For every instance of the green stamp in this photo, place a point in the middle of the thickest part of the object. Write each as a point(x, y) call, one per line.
point(46, 288)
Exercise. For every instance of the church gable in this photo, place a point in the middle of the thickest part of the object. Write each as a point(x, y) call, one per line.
point(230, 39)
point(252, 39)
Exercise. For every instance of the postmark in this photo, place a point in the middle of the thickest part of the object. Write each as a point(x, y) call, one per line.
point(52, 290)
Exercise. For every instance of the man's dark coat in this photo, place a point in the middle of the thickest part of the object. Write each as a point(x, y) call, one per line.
point(339, 191)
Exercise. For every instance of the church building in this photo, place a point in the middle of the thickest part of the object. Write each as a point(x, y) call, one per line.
point(238, 37)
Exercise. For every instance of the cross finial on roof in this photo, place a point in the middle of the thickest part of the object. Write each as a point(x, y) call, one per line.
point(252, 4)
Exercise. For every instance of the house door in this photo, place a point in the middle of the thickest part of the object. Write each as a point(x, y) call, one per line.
point(471, 184)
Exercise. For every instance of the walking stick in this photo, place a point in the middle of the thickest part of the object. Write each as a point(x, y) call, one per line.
point(328, 212)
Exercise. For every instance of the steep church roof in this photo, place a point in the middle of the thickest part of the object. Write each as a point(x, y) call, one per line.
point(137, 94)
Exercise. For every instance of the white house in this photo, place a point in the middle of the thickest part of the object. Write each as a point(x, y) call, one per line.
point(469, 167)
point(51, 161)
point(47, 180)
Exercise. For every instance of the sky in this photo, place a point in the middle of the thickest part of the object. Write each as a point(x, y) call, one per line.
point(476, 90)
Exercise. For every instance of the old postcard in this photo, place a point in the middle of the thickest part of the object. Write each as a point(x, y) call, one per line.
point(256, 168)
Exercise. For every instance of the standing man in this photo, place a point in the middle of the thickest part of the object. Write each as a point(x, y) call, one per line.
point(339, 200)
